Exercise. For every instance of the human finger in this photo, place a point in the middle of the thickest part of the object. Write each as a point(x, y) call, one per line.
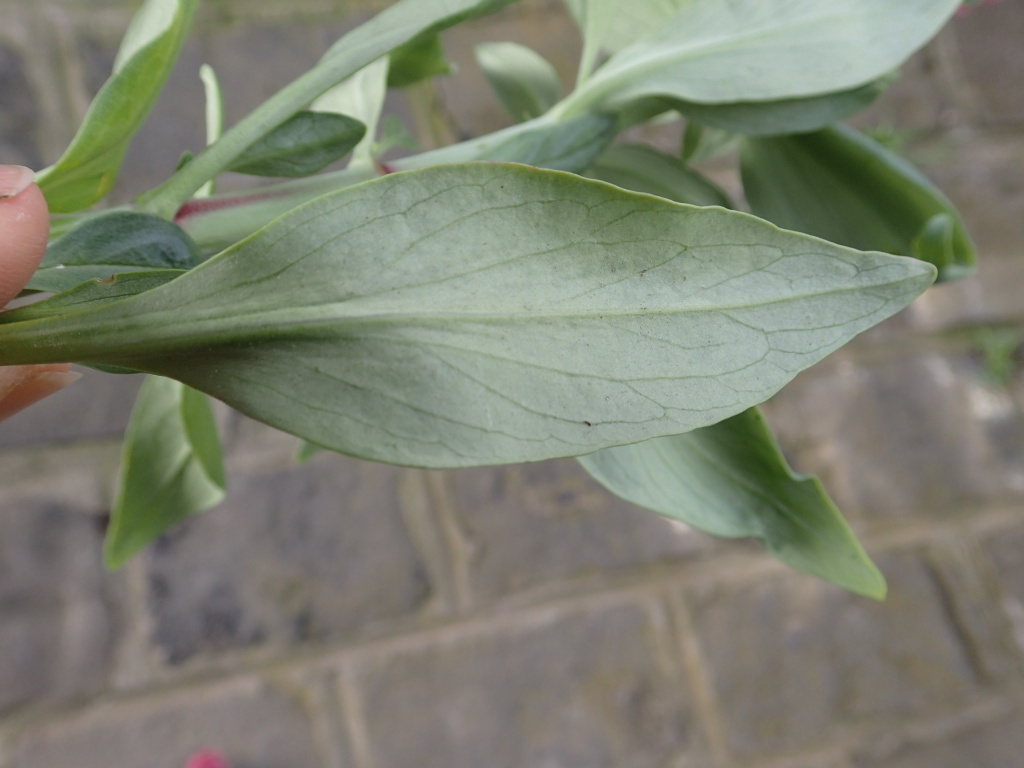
point(24, 228)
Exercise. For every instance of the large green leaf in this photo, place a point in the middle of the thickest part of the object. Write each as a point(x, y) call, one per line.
point(839, 184)
point(524, 81)
point(718, 52)
point(610, 25)
point(770, 118)
point(393, 27)
point(302, 145)
point(641, 168)
point(730, 479)
point(112, 243)
point(171, 467)
point(89, 167)
point(488, 313)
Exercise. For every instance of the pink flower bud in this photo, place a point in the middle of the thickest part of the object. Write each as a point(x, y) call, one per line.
point(207, 758)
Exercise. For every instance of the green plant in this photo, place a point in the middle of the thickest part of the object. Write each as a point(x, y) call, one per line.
point(486, 302)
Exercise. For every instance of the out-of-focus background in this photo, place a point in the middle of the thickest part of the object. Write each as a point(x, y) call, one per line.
point(342, 614)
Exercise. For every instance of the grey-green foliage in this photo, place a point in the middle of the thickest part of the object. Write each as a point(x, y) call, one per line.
point(419, 59)
point(304, 144)
point(113, 243)
point(486, 314)
point(730, 479)
point(772, 118)
point(88, 168)
point(570, 146)
point(715, 52)
point(641, 168)
point(172, 467)
point(838, 184)
point(524, 81)
point(397, 25)
point(480, 313)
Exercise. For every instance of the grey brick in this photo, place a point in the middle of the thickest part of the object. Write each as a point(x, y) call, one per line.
point(251, 723)
point(989, 40)
point(19, 116)
point(587, 689)
point(921, 433)
point(794, 661)
point(997, 744)
point(301, 554)
point(56, 631)
point(532, 524)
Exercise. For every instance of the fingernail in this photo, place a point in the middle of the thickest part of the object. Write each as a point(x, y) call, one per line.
point(14, 179)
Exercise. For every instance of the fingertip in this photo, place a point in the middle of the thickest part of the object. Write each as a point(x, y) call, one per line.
point(24, 385)
point(24, 229)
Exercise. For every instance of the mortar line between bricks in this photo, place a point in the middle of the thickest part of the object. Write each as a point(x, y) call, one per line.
point(354, 718)
point(419, 514)
point(696, 669)
point(459, 546)
point(320, 701)
point(646, 583)
point(985, 519)
point(929, 731)
point(638, 585)
point(962, 557)
point(832, 755)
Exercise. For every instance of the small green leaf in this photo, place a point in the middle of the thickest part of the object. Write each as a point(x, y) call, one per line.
point(303, 145)
point(641, 168)
point(524, 81)
point(730, 479)
point(171, 467)
point(419, 59)
point(89, 167)
point(360, 97)
point(714, 52)
point(111, 243)
point(771, 118)
point(571, 146)
point(840, 185)
point(489, 313)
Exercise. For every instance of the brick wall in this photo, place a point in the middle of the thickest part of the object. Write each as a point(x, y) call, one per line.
point(343, 614)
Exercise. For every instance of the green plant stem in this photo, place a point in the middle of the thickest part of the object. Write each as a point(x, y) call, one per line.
point(165, 199)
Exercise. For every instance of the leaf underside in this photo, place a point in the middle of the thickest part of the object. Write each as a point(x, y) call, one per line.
point(487, 313)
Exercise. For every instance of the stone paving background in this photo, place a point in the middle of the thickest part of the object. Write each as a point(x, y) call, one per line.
point(349, 615)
